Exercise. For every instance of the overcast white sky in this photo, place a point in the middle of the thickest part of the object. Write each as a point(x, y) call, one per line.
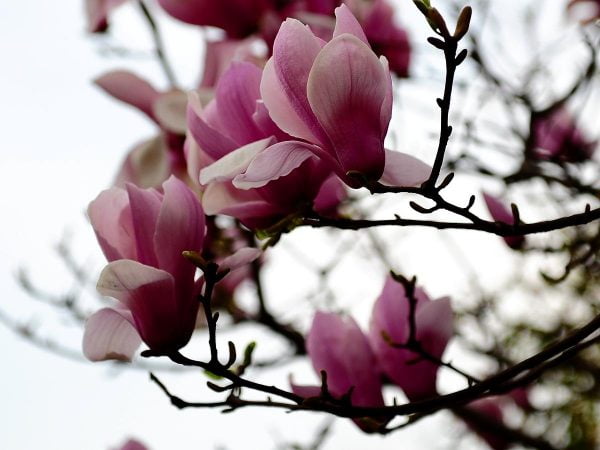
point(61, 143)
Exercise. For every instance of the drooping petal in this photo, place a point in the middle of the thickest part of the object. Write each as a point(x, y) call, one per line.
point(109, 335)
point(180, 226)
point(272, 163)
point(405, 170)
point(111, 219)
point(210, 140)
point(338, 346)
point(347, 23)
point(347, 88)
point(234, 163)
point(284, 83)
point(130, 89)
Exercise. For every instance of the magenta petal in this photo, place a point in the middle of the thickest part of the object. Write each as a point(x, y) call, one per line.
point(111, 219)
point(404, 170)
point(109, 335)
point(237, 92)
point(180, 226)
point(340, 348)
point(347, 88)
point(347, 23)
point(331, 194)
point(285, 78)
point(130, 89)
point(210, 140)
point(234, 163)
point(272, 163)
point(164, 321)
point(145, 206)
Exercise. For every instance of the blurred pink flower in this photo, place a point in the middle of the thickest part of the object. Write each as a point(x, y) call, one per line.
point(557, 138)
point(133, 444)
point(434, 326)
point(97, 12)
point(501, 213)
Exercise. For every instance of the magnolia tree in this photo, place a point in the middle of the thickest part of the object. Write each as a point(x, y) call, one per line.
point(318, 114)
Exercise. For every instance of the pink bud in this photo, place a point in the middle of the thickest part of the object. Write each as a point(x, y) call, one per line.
point(500, 213)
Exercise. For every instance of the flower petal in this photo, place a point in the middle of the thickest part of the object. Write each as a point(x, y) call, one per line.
point(145, 206)
point(111, 219)
point(237, 92)
point(109, 335)
point(180, 226)
point(346, 23)
point(233, 163)
point(285, 77)
point(130, 89)
point(210, 140)
point(170, 111)
point(405, 170)
point(272, 163)
point(347, 89)
point(240, 258)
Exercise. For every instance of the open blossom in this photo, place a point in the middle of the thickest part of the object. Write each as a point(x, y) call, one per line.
point(557, 138)
point(252, 170)
point(142, 234)
point(501, 213)
point(433, 320)
point(151, 162)
point(336, 96)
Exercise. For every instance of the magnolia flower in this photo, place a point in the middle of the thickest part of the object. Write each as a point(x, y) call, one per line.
point(151, 162)
point(557, 138)
point(489, 409)
point(433, 320)
point(251, 169)
point(500, 213)
point(337, 96)
point(143, 234)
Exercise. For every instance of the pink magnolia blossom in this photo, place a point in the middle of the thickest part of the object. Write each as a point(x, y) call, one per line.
point(143, 233)
point(336, 96)
point(151, 162)
point(416, 376)
point(251, 169)
point(500, 213)
point(557, 138)
point(337, 346)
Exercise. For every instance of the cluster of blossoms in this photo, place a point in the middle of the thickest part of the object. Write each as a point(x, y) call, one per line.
point(272, 142)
